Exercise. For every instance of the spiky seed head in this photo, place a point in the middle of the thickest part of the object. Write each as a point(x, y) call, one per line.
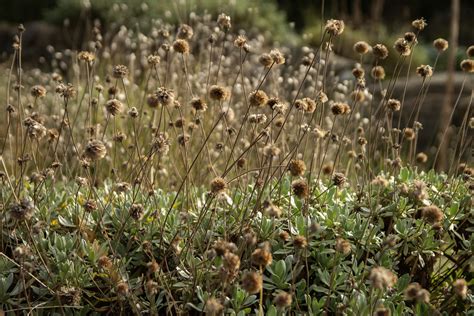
point(402, 47)
point(38, 91)
point(334, 27)
point(419, 24)
point(393, 105)
point(424, 71)
point(277, 57)
point(120, 71)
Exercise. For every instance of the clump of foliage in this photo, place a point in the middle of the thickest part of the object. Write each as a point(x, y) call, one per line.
point(197, 170)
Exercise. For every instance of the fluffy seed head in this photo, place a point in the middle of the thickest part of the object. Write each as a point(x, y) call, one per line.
point(409, 133)
point(153, 60)
point(424, 71)
point(165, 96)
point(382, 278)
point(460, 288)
point(300, 242)
point(361, 47)
point(470, 51)
point(338, 179)
point(261, 257)
point(282, 300)
point(120, 71)
point(224, 21)
point(393, 105)
point(95, 150)
point(402, 47)
point(213, 307)
point(185, 32)
point(38, 91)
point(440, 44)
point(181, 46)
point(411, 292)
point(265, 60)
point(432, 214)
point(113, 107)
point(421, 158)
point(334, 27)
point(338, 108)
point(258, 98)
point(380, 51)
point(410, 37)
point(419, 24)
point(252, 282)
point(300, 188)
point(198, 104)
point(343, 246)
point(467, 65)
point(277, 57)
point(297, 167)
point(218, 185)
point(218, 93)
point(378, 73)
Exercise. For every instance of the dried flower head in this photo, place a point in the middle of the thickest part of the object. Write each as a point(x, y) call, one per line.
point(218, 185)
point(218, 93)
point(261, 257)
point(213, 307)
point(409, 133)
point(95, 150)
point(380, 51)
point(297, 167)
point(402, 47)
point(120, 71)
point(22, 210)
point(85, 56)
point(424, 71)
point(467, 65)
point(382, 278)
point(258, 98)
point(334, 27)
point(153, 60)
point(38, 91)
point(300, 242)
point(224, 21)
point(240, 41)
point(470, 51)
point(185, 32)
point(419, 24)
point(181, 46)
point(338, 179)
point(440, 44)
point(300, 188)
point(378, 73)
point(252, 282)
point(460, 288)
point(411, 292)
point(361, 47)
point(165, 96)
point(393, 105)
point(343, 246)
point(432, 214)
point(282, 300)
point(113, 107)
point(277, 57)
point(266, 60)
point(421, 158)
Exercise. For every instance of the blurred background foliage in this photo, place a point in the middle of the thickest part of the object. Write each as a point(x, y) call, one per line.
point(289, 22)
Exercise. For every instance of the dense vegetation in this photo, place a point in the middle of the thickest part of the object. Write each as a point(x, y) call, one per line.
point(192, 169)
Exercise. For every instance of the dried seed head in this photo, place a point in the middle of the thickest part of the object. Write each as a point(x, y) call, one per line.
point(338, 179)
point(95, 150)
point(421, 158)
point(153, 60)
point(440, 44)
point(266, 60)
point(198, 104)
point(185, 32)
point(181, 46)
point(467, 65)
point(213, 307)
point(361, 47)
point(224, 21)
point(382, 278)
point(297, 167)
point(218, 93)
point(120, 71)
point(165, 96)
point(378, 73)
point(410, 37)
point(38, 91)
point(22, 210)
point(271, 209)
point(382, 311)
point(424, 71)
point(218, 185)
point(393, 105)
point(338, 108)
point(240, 41)
point(261, 257)
point(460, 288)
point(136, 211)
point(310, 105)
point(282, 300)
point(87, 57)
point(252, 282)
point(334, 27)
point(402, 47)
point(343, 246)
point(358, 72)
point(300, 188)
point(277, 57)
point(423, 296)
point(358, 96)
point(409, 133)
point(113, 107)
point(122, 289)
point(470, 51)
point(258, 98)
point(432, 214)
point(419, 24)
point(300, 242)
point(411, 292)
point(380, 51)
